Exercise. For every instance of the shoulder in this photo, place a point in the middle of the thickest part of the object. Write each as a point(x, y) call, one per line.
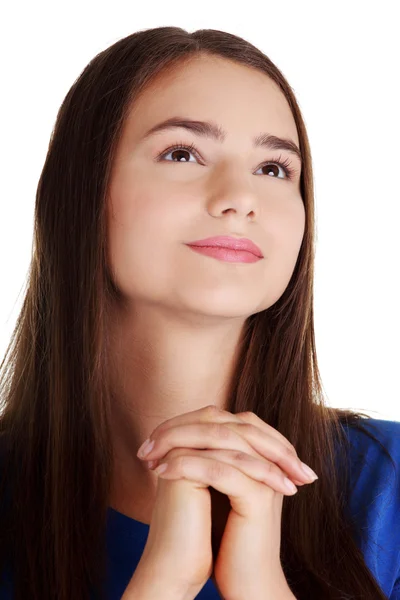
point(374, 449)
point(387, 432)
point(374, 503)
point(375, 458)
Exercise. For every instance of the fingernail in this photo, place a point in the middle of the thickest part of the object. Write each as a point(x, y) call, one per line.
point(309, 472)
point(289, 486)
point(160, 469)
point(145, 448)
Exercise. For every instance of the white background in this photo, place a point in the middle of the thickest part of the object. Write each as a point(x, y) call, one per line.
point(342, 61)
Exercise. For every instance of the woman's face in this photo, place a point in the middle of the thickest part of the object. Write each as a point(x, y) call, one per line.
point(159, 204)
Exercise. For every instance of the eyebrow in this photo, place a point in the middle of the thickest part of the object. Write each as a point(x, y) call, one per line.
point(212, 130)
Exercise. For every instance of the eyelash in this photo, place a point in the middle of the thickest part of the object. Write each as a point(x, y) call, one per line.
point(285, 164)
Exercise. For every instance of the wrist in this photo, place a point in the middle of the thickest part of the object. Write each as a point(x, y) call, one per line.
point(274, 590)
point(145, 585)
point(284, 593)
point(139, 591)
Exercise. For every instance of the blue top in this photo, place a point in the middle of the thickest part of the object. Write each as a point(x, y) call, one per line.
point(374, 505)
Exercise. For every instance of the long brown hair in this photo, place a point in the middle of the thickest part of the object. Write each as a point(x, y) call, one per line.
point(54, 387)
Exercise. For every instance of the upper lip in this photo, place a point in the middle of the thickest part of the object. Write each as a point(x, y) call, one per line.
point(224, 241)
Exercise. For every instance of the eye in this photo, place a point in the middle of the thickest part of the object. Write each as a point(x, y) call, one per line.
point(274, 168)
point(271, 166)
point(179, 149)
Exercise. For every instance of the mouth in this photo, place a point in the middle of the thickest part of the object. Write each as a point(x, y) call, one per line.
point(229, 243)
point(226, 254)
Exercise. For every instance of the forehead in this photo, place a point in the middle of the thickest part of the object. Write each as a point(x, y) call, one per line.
point(243, 100)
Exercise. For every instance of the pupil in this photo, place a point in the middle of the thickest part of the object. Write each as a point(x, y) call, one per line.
point(178, 152)
point(271, 168)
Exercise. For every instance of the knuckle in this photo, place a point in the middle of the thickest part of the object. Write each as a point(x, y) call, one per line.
point(268, 468)
point(175, 452)
point(216, 470)
point(247, 414)
point(211, 410)
point(289, 451)
point(161, 429)
point(156, 431)
point(240, 456)
point(182, 463)
point(219, 431)
point(270, 472)
point(248, 428)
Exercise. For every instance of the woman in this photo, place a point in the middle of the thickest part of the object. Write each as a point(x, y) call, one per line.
point(129, 331)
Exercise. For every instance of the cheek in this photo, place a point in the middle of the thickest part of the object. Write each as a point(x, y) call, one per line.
point(284, 232)
point(284, 226)
point(141, 205)
point(139, 216)
point(142, 231)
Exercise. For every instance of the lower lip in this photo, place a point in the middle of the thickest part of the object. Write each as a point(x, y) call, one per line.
point(226, 254)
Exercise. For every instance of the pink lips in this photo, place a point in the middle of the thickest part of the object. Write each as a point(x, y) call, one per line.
point(228, 248)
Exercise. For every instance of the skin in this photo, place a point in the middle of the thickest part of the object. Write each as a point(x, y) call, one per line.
point(174, 343)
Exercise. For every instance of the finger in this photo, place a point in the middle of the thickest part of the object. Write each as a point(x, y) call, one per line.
point(195, 435)
point(228, 436)
point(247, 496)
point(254, 419)
point(263, 471)
point(271, 448)
point(212, 413)
point(205, 414)
point(153, 464)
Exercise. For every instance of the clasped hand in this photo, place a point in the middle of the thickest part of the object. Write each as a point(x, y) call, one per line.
point(252, 463)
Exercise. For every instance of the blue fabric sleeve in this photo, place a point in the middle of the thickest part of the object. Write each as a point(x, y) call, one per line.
point(375, 501)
